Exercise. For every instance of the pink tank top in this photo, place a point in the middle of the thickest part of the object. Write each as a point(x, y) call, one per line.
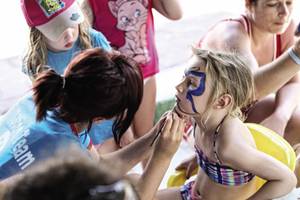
point(128, 25)
point(247, 25)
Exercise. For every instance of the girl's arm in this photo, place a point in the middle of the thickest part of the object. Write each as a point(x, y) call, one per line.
point(171, 9)
point(236, 152)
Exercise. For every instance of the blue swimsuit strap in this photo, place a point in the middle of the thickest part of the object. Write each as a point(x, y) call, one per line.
point(215, 138)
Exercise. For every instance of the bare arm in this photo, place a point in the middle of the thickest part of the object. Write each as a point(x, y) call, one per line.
point(133, 153)
point(288, 96)
point(171, 9)
point(235, 39)
point(164, 150)
point(286, 101)
point(280, 179)
point(288, 83)
point(276, 73)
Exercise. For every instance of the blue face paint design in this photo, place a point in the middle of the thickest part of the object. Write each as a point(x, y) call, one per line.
point(197, 91)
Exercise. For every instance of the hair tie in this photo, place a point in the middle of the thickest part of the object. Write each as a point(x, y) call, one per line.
point(64, 82)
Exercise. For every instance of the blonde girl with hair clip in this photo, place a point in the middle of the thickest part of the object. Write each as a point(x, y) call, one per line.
point(214, 89)
point(58, 31)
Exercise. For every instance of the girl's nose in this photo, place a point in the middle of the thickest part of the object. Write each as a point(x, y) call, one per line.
point(180, 87)
point(283, 9)
point(69, 34)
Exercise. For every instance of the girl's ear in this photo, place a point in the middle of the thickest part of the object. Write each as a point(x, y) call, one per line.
point(223, 101)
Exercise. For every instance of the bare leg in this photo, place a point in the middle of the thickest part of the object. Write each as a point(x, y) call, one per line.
point(292, 131)
point(170, 193)
point(297, 169)
point(144, 117)
point(261, 110)
point(265, 107)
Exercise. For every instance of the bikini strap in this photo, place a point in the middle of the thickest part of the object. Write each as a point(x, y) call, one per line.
point(215, 139)
point(247, 24)
point(278, 46)
point(278, 51)
point(194, 129)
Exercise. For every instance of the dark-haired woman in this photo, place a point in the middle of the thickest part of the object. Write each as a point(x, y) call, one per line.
point(96, 85)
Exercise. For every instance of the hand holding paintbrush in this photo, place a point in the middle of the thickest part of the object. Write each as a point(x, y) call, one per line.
point(163, 122)
point(168, 135)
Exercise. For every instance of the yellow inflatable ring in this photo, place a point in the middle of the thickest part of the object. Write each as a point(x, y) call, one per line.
point(266, 141)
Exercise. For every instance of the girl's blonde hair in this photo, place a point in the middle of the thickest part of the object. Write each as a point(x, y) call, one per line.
point(230, 75)
point(36, 59)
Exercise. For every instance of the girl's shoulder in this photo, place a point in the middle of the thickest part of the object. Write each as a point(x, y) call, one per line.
point(234, 140)
point(98, 39)
point(232, 133)
point(228, 33)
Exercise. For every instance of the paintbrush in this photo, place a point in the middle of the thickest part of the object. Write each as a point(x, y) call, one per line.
point(297, 32)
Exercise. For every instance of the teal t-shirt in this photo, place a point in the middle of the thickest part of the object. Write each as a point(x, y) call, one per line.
point(59, 60)
point(23, 141)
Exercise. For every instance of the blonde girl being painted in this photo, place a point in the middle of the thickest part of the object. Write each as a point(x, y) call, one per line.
point(213, 90)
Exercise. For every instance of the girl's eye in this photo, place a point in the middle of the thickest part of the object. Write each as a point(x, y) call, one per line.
point(191, 84)
point(272, 4)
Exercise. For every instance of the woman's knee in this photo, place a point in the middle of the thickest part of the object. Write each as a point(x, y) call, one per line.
point(261, 110)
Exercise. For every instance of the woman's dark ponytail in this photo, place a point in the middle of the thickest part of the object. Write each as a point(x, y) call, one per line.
point(97, 84)
point(132, 93)
point(47, 92)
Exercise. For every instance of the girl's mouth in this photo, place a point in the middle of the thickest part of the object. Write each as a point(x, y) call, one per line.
point(69, 44)
point(179, 111)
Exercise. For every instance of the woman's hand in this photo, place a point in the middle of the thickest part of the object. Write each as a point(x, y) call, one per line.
point(172, 129)
point(189, 165)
